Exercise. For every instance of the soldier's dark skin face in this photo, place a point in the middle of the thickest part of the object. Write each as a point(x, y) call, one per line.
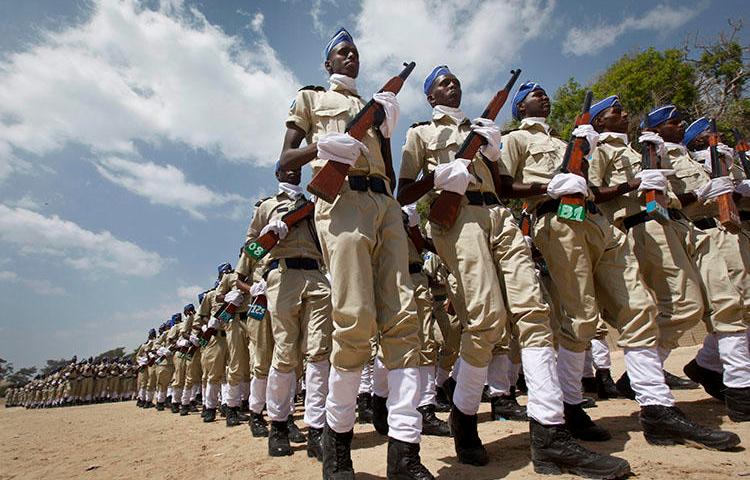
point(536, 104)
point(613, 119)
point(344, 60)
point(289, 176)
point(446, 90)
point(672, 130)
point(700, 142)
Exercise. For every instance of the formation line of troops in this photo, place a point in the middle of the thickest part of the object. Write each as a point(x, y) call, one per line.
point(362, 314)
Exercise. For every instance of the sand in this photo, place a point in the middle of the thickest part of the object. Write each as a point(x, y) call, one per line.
point(112, 441)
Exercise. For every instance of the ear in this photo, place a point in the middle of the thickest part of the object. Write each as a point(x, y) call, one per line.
point(522, 109)
point(597, 124)
point(328, 67)
point(430, 99)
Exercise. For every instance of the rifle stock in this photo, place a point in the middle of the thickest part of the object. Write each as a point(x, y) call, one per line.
point(326, 184)
point(444, 210)
point(729, 217)
point(656, 201)
point(573, 207)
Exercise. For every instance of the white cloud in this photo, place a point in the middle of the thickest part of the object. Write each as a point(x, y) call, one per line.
point(35, 234)
point(27, 202)
point(166, 185)
point(189, 294)
point(476, 39)
point(591, 40)
point(8, 276)
point(129, 73)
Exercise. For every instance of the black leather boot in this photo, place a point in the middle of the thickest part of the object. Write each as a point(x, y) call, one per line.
point(588, 384)
point(244, 407)
point(466, 439)
point(364, 408)
point(175, 407)
point(442, 404)
point(380, 415)
point(605, 386)
point(337, 455)
point(431, 424)
point(506, 407)
point(712, 382)
point(278, 440)
point(184, 410)
point(668, 426)
point(588, 402)
point(233, 419)
point(295, 435)
point(258, 425)
point(315, 443)
point(580, 425)
point(210, 415)
point(404, 462)
point(148, 405)
point(738, 403)
point(678, 383)
point(521, 384)
point(553, 451)
point(624, 388)
point(160, 406)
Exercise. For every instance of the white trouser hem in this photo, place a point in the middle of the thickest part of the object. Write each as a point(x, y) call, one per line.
point(470, 382)
point(569, 372)
point(404, 421)
point(708, 356)
point(600, 354)
point(341, 402)
point(281, 388)
point(365, 384)
point(212, 395)
point(316, 380)
point(647, 377)
point(427, 385)
point(545, 403)
point(498, 375)
point(733, 351)
point(258, 394)
point(231, 395)
point(379, 379)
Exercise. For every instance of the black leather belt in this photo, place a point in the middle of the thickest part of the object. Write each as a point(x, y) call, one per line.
point(415, 267)
point(482, 198)
point(295, 263)
point(362, 183)
point(744, 216)
point(440, 298)
point(552, 205)
point(705, 223)
point(637, 219)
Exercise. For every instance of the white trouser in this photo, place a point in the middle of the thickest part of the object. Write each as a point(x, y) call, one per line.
point(316, 382)
point(211, 399)
point(231, 395)
point(647, 377)
point(379, 379)
point(733, 351)
point(280, 391)
point(427, 385)
point(365, 384)
point(600, 354)
point(244, 391)
point(258, 394)
point(404, 421)
point(498, 375)
point(569, 372)
point(442, 376)
point(470, 382)
point(341, 402)
point(588, 365)
point(545, 403)
point(187, 396)
point(176, 395)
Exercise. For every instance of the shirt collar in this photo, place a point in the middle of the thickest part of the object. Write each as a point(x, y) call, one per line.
point(535, 122)
point(613, 137)
point(454, 115)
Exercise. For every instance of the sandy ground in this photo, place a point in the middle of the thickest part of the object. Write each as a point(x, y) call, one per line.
point(118, 440)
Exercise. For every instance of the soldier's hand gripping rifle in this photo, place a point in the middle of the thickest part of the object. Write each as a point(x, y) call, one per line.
point(656, 201)
point(741, 147)
point(444, 210)
point(326, 184)
point(729, 217)
point(573, 207)
point(258, 248)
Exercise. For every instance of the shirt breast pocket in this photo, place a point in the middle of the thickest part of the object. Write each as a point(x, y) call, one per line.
point(441, 150)
point(627, 168)
point(541, 159)
point(332, 118)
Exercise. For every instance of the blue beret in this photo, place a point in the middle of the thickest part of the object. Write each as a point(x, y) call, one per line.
point(661, 115)
point(152, 332)
point(200, 297)
point(523, 91)
point(224, 267)
point(176, 318)
point(604, 104)
point(189, 306)
point(434, 74)
point(216, 283)
point(277, 166)
point(341, 36)
point(696, 128)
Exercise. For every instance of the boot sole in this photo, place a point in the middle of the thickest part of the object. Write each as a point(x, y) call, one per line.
point(313, 454)
point(551, 468)
point(667, 442)
point(279, 454)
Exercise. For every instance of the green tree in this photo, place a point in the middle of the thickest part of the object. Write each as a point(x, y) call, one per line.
point(22, 376)
point(5, 368)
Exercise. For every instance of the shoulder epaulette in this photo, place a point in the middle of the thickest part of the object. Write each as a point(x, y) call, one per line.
point(313, 87)
point(257, 204)
point(505, 132)
point(418, 124)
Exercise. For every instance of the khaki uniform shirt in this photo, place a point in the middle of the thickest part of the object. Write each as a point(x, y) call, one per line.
point(317, 111)
point(227, 284)
point(689, 176)
point(532, 155)
point(438, 274)
point(301, 241)
point(428, 145)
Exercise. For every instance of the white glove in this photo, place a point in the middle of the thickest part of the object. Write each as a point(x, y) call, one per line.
point(182, 343)
point(715, 188)
point(213, 323)
point(654, 179)
point(194, 339)
point(587, 131)
point(390, 105)
point(411, 212)
point(705, 157)
point(276, 226)
point(204, 328)
point(655, 138)
point(487, 129)
point(163, 352)
point(743, 188)
point(567, 184)
point(258, 288)
point(340, 147)
point(142, 361)
point(725, 150)
point(453, 176)
point(234, 297)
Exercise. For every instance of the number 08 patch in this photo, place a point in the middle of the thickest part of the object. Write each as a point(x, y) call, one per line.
point(255, 250)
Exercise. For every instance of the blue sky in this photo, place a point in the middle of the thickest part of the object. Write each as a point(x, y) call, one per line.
point(135, 137)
